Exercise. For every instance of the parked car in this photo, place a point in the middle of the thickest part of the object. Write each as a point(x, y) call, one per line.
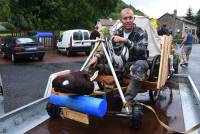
point(74, 41)
point(16, 48)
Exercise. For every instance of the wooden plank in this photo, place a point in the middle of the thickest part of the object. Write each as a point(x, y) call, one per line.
point(161, 63)
point(148, 85)
point(164, 62)
point(105, 79)
point(95, 93)
point(166, 66)
point(76, 116)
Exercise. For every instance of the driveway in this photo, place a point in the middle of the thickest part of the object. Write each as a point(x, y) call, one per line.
point(25, 81)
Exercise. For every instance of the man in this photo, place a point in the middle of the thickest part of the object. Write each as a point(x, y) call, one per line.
point(94, 34)
point(163, 30)
point(187, 47)
point(136, 40)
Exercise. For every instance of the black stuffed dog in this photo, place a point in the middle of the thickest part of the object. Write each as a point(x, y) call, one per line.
point(74, 82)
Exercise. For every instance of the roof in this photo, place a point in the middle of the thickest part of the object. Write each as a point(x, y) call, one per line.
point(185, 20)
point(107, 22)
point(179, 18)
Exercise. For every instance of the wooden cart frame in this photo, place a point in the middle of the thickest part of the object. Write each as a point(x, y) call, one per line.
point(151, 86)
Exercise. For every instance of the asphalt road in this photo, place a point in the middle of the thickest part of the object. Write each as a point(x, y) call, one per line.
point(25, 82)
point(193, 66)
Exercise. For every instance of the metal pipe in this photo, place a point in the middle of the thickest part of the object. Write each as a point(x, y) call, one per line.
point(115, 78)
point(89, 57)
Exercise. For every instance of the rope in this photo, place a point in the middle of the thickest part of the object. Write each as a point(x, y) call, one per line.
point(160, 122)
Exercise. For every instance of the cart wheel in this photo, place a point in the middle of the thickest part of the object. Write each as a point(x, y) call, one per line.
point(154, 70)
point(153, 95)
point(176, 63)
point(53, 110)
point(136, 120)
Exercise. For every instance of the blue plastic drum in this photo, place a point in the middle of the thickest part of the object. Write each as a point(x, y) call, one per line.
point(85, 104)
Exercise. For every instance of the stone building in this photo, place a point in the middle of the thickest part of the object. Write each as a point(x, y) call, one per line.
point(108, 23)
point(178, 24)
point(105, 25)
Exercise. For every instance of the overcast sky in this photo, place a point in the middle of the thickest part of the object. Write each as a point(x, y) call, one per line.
point(156, 8)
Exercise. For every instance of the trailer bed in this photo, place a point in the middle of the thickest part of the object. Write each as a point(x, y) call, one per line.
point(169, 107)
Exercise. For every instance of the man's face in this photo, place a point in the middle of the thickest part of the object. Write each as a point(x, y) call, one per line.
point(127, 19)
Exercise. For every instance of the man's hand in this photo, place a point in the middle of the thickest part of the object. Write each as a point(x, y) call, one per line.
point(119, 39)
point(93, 61)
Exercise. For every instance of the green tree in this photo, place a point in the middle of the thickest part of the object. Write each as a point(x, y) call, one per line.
point(189, 14)
point(5, 10)
point(61, 14)
point(197, 19)
point(121, 5)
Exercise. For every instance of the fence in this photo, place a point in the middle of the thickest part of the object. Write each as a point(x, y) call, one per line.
point(48, 41)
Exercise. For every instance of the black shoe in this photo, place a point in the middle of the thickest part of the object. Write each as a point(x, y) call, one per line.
point(186, 64)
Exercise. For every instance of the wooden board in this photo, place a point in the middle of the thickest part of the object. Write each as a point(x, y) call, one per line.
point(74, 115)
point(164, 60)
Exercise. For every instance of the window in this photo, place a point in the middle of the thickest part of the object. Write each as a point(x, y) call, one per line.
point(77, 35)
point(60, 39)
point(24, 40)
point(86, 36)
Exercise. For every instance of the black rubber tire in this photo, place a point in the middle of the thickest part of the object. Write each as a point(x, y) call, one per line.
point(175, 64)
point(13, 58)
point(136, 120)
point(154, 70)
point(53, 110)
point(58, 52)
point(40, 58)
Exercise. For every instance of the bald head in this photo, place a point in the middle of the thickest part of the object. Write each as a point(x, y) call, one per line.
point(127, 19)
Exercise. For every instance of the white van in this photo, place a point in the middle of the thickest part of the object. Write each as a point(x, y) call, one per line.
point(76, 40)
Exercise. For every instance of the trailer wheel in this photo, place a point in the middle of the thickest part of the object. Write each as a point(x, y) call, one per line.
point(136, 120)
point(154, 70)
point(53, 110)
point(176, 63)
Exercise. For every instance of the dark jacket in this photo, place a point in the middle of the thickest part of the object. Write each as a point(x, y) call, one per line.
point(94, 35)
point(163, 31)
point(137, 44)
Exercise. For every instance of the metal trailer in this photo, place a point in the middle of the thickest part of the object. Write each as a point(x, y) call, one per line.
point(160, 72)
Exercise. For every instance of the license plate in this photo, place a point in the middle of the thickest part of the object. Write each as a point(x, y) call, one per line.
point(31, 48)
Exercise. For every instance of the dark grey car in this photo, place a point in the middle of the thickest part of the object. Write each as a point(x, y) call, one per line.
point(22, 47)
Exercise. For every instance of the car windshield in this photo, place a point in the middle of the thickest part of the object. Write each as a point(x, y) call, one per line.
point(24, 40)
